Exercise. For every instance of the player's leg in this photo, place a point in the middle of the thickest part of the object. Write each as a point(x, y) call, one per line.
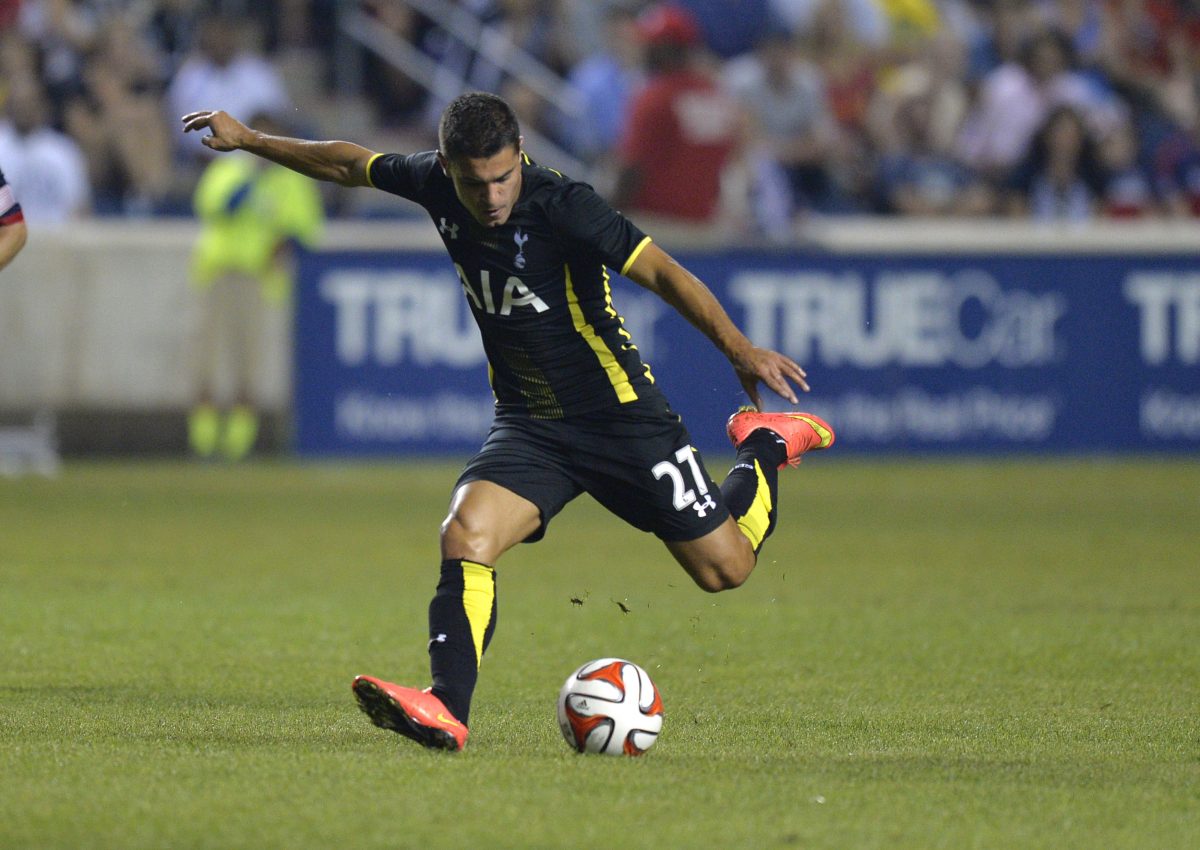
point(507, 494)
point(720, 560)
point(765, 442)
point(639, 463)
point(484, 522)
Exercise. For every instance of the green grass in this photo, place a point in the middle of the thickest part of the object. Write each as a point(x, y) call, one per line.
point(930, 655)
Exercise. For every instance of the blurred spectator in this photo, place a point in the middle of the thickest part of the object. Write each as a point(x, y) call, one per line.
point(790, 121)
point(1128, 186)
point(1016, 98)
point(682, 128)
point(850, 68)
point(529, 25)
point(867, 22)
point(118, 121)
point(919, 176)
point(533, 27)
point(1060, 179)
point(45, 167)
point(1003, 26)
point(1150, 56)
point(12, 224)
point(251, 212)
point(1177, 171)
point(398, 101)
point(606, 81)
point(1084, 22)
point(223, 73)
point(1128, 67)
point(18, 60)
point(171, 26)
point(9, 9)
point(729, 35)
point(910, 23)
point(937, 73)
point(63, 31)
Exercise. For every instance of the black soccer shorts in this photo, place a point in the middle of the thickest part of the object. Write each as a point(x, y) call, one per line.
point(636, 459)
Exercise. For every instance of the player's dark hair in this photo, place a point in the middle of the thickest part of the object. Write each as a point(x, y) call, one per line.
point(477, 125)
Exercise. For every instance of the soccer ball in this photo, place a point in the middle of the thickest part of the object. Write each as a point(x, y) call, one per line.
point(610, 706)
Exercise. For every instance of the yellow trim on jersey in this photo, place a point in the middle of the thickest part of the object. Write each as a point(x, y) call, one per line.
point(525, 159)
point(608, 361)
point(612, 311)
point(757, 519)
point(641, 247)
point(479, 592)
point(371, 162)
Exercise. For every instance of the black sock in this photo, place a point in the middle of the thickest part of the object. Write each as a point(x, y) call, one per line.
point(751, 488)
point(462, 618)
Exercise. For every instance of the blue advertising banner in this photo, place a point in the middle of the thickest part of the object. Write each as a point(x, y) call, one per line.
point(974, 353)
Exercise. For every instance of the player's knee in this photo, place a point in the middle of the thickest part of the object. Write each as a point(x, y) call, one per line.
point(463, 538)
point(722, 576)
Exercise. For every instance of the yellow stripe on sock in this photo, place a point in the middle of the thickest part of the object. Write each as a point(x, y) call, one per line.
point(479, 591)
point(755, 522)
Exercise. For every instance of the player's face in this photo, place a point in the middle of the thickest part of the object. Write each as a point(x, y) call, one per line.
point(489, 186)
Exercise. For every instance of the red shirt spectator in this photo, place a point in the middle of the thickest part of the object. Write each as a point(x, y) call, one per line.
point(682, 128)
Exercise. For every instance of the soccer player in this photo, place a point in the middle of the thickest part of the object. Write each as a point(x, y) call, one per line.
point(12, 224)
point(576, 408)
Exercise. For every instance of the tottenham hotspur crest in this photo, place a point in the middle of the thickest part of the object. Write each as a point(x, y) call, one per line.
point(520, 238)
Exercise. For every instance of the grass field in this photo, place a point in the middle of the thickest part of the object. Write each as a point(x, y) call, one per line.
point(958, 655)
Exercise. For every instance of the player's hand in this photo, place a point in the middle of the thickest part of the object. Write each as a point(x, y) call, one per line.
point(761, 365)
point(227, 133)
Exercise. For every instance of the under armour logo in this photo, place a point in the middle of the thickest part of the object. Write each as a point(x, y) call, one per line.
point(520, 238)
point(452, 228)
point(703, 507)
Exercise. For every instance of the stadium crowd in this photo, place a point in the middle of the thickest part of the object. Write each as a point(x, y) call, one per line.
point(1064, 110)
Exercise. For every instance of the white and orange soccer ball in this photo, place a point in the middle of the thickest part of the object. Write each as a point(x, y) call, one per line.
point(610, 706)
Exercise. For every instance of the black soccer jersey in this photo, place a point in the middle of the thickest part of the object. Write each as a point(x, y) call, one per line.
point(538, 286)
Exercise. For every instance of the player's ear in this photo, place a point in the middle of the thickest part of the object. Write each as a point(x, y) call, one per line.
point(442, 162)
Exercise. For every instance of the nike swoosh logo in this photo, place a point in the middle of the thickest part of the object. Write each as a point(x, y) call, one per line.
point(444, 719)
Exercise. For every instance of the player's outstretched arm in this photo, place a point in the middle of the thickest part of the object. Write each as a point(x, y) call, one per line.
point(336, 162)
point(12, 240)
point(655, 270)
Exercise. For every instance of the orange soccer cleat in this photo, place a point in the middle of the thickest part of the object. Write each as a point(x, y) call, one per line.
point(801, 432)
point(414, 714)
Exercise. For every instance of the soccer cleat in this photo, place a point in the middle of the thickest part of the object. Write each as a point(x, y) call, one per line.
point(800, 432)
point(414, 714)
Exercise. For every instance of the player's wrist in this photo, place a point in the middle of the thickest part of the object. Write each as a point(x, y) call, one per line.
point(738, 349)
point(254, 141)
